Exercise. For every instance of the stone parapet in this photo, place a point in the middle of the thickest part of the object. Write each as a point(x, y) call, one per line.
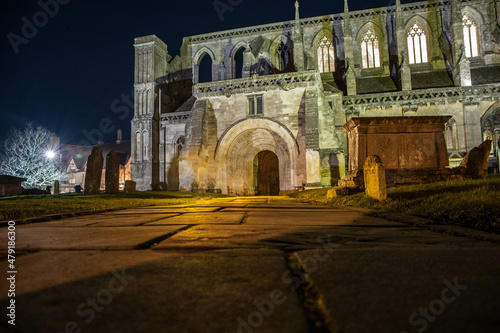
point(256, 84)
point(175, 117)
point(423, 96)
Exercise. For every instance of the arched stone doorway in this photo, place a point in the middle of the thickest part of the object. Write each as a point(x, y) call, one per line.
point(266, 173)
point(237, 150)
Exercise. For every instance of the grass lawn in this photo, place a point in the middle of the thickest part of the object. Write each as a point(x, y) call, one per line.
point(22, 207)
point(471, 203)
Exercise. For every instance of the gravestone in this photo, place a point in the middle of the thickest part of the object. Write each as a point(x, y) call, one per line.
point(56, 187)
point(374, 176)
point(94, 172)
point(130, 186)
point(112, 176)
point(476, 161)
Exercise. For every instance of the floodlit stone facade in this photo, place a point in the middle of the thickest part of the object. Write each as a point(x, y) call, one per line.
point(267, 115)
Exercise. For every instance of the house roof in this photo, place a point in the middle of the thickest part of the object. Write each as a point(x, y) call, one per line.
point(484, 75)
point(370, 85)
point(6, 179)
point(80, 154)
point(432, 79)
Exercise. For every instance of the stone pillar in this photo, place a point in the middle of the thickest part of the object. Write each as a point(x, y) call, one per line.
point(404, 68)
point(94, 172)
point(405, 73)
point(349, 52)
point(56, 187)
point(247, 61)
point(298, 42)
point(463, 70)
point(457, 40)
point(112, 177)
point(350, 80)
point(219, 72)
point(374, 177)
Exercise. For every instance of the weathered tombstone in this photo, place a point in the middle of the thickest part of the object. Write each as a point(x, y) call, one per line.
point(56, 187)
point(94, 172)
point(129, 186)
point(112, 176)
point(476, 161)
point(374, 176)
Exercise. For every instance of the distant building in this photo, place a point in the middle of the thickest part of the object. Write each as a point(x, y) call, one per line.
point(267, 117)
point(74, 159)
point(10, 185)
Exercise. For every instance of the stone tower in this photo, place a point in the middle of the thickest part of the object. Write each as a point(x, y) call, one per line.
point(150, 63)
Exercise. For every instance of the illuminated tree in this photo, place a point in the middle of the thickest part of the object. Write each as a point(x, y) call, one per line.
point(31, 153)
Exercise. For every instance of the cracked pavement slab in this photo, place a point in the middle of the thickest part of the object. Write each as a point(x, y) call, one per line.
point(225, 266)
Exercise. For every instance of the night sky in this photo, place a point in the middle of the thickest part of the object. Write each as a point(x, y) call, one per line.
point(67, 76)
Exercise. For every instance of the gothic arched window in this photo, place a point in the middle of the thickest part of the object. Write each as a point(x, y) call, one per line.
point(145, 145)
point(205, 64)
point(181, 141)
point(138, 147)
point(370, 53)
point(326, 56)
point(277, 57)
point(282, 55)
point(470, 37)
point(417, 45)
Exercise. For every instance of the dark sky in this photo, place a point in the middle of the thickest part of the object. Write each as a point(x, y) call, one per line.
point(67, 74)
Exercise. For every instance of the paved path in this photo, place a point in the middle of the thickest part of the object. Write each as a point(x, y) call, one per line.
point(249, 265)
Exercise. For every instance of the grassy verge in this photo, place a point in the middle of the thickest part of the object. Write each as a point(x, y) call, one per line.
point(22, 207)
point(471, 203)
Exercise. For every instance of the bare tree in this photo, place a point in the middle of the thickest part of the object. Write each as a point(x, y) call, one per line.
point(31, 153)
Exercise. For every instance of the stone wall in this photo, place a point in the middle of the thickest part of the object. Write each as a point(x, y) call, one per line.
point(201, 135)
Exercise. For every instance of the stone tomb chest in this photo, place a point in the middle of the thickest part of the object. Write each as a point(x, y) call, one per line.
point(414, 145)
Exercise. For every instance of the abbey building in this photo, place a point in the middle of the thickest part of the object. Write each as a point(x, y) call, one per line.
point(258, 110)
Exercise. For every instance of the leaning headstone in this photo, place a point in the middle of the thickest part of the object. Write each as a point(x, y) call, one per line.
point(476, 161)
point(129, 186)
point(374, 176)
point(94, 172)
point(56, 187)
point(112, 176)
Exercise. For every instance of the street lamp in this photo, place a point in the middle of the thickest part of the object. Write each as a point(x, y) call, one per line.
point(50, 154)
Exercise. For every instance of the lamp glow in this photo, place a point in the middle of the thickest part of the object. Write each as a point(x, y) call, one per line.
point(50, 154)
